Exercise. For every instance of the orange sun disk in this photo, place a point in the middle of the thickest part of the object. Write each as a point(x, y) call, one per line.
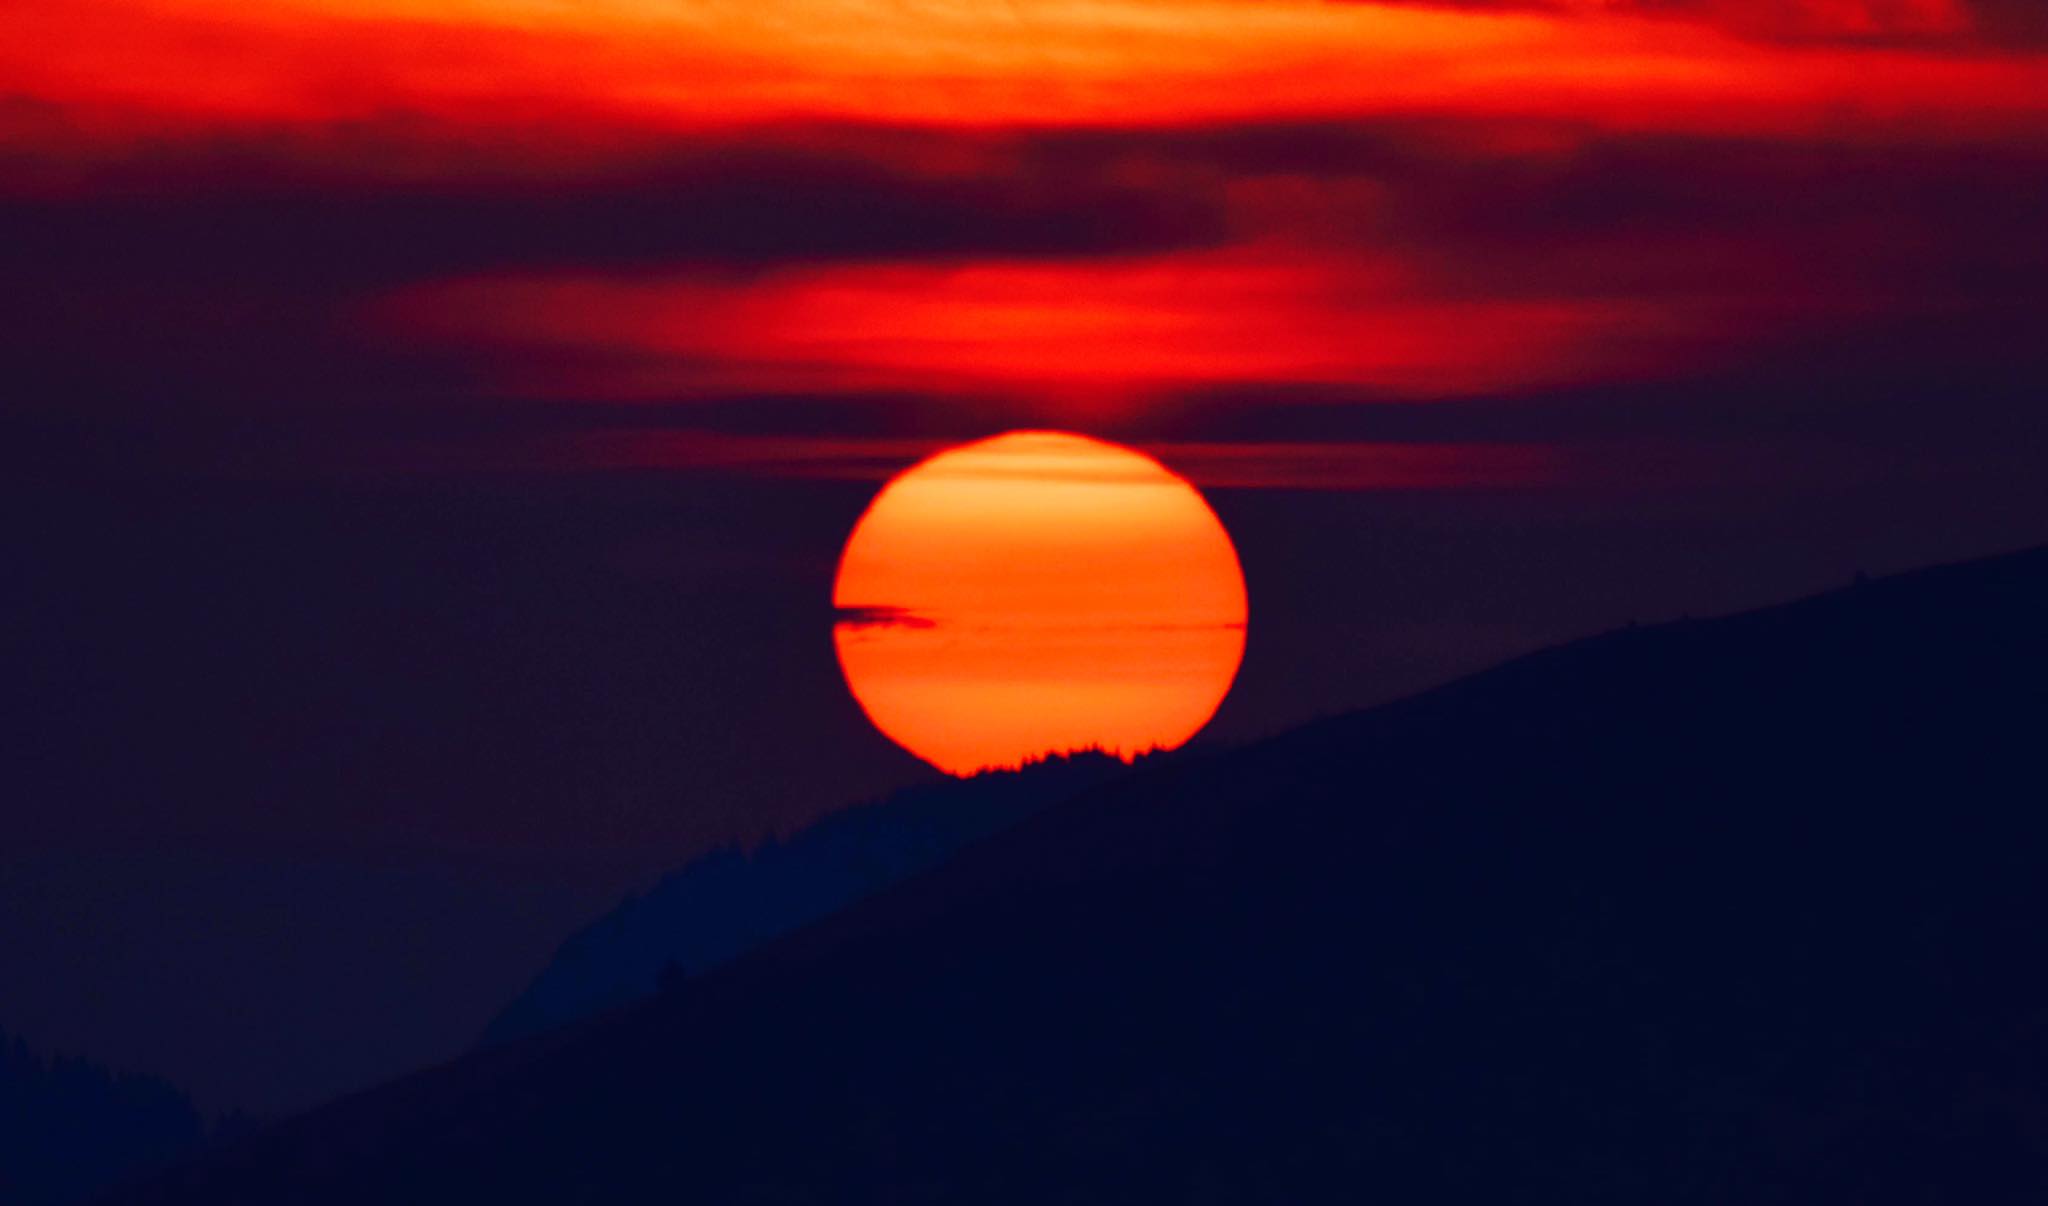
point(1036, 593)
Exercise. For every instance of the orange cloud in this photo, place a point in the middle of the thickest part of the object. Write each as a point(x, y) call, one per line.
point(157, 64)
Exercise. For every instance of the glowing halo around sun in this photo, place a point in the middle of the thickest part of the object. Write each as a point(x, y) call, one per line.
point(1036, 593)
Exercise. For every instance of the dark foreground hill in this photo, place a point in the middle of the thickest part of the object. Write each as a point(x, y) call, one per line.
point(1748, 910)
point(70, 1128)
point(728, 902)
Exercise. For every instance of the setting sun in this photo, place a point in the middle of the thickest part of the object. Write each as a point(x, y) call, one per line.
point(1037, 593)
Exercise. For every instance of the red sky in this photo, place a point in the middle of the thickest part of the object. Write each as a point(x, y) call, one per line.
point(1079, 210)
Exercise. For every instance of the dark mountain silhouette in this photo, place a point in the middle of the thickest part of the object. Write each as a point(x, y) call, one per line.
point(70, 1128)
point(1747, 910)
point(726, 903)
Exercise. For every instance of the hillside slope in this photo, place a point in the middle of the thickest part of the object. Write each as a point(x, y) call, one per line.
point(1745, 910)
point(719, 906)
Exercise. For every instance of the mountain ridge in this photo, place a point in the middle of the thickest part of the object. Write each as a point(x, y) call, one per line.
point(1661, 915)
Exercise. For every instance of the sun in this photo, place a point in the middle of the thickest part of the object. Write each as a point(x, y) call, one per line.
point(1034, 593)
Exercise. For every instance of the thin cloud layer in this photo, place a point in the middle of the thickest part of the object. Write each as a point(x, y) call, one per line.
point(1419, 258)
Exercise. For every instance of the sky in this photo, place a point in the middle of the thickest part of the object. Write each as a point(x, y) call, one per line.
point(431, 425)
